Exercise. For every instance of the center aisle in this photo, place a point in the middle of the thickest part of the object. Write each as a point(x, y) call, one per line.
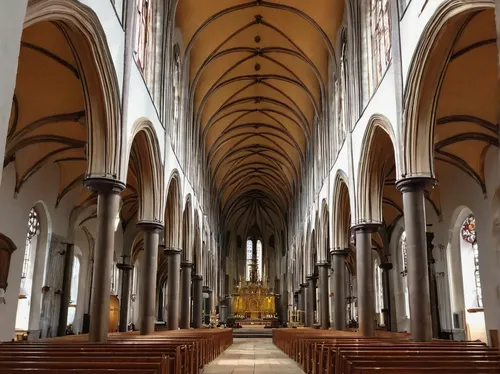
point(253, 356)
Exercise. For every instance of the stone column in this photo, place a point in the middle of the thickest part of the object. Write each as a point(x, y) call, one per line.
point(198, 301)
point(339, 312)
point(66, 289)
point(386, 286)
point(160, 304)
point(366, 301)
point(310, 299)
point(151, 232)
point(324, 295)
point(302, 302)
point(206, 306)
point(436, 328)
point(418, 277)
point(186, 268)
point(108, 204)
point(210, 303)
point(173, 282)
point(126, 269)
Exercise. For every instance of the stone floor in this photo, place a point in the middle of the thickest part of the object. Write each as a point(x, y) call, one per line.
point(252, 356)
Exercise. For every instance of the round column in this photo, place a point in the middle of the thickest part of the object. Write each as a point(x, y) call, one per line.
point(186, 268)
point(173, 283)
point(339, 312)
point(126, 269)
point(366, 301)
point(413, 190)
point(324, 295)
point(108, 205)
point(198, 301)
point(310, 300)
point(66, 291)
point(151, 232)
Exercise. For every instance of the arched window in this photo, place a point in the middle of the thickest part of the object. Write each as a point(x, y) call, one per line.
point(23, 305)
point(342, 94)
point(75, 277)
point(142, 42)
point(248, 269)
point(259, 260)
point(176, 84)
point(114, 279)
point(377, 46)
point(470, 237)
point(378, 289)
point(404, 272)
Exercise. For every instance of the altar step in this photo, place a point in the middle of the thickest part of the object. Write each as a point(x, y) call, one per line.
point(252, 333)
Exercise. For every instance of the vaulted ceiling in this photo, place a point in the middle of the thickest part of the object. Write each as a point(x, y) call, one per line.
point(258, 80)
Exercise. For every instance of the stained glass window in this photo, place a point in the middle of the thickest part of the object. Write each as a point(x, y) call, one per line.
point(33, 229)
point(259, 260)
point(249, 260)
point(404, 273)
point(142, 33)
point(177, 82)
point(469, 235)
point(469, 229)
point(377, 42)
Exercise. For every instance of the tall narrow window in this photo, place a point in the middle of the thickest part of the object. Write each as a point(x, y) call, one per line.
point(342, 94)
point(23, 305)
point(75, 277)
point(259, 260)
point(377, 44)
point(404, 272)
point(379, 293)
point(469, 235)
point(142, 32)
point(249, 260)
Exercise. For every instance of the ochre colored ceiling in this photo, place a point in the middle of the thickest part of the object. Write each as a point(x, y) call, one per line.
point(467, 111)
point(258, 79)
point(48, 119)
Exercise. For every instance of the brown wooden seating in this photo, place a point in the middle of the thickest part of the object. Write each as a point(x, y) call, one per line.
point(172, 352)
point(341, 352)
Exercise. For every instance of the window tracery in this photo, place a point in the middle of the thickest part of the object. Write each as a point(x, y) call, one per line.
point(377, 42)
point(404, 272)
point(470, 236)
point(142, 43)
point(33, 230)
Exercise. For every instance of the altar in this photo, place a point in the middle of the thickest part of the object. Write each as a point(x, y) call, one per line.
point(253, 304)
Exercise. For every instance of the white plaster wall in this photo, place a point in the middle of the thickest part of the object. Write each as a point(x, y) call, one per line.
point(43, 186)
point(11, 25)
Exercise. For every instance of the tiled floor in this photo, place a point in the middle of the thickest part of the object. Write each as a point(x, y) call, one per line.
point(252, 356)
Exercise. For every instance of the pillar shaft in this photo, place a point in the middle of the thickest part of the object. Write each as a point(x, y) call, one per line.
point(198, 301)
point(126, 269)
point(339, 312)
point(324, 295)
point(418, 276)
point(302, 302)
point(386, 286)
point(66, 291)
point(186, 294)
point(108, 203)
point(151, 232)
point(366, 301)
point(160, 303)
point(173, 283)
point(310, 300)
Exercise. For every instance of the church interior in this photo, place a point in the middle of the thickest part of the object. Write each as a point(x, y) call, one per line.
point(249, 186)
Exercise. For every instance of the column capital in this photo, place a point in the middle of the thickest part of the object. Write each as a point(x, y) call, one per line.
point(413, 184)
point(325, 264)
point(150, 226)
point(172, 251)
point(186, 264)
point(104, 185)
point(311, 277)
point(339, 252)
point(125, 267)
point(197, 277)
point(367, 227)
point(386, 266)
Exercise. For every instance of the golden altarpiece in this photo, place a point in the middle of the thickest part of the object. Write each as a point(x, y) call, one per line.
point(253, 301)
